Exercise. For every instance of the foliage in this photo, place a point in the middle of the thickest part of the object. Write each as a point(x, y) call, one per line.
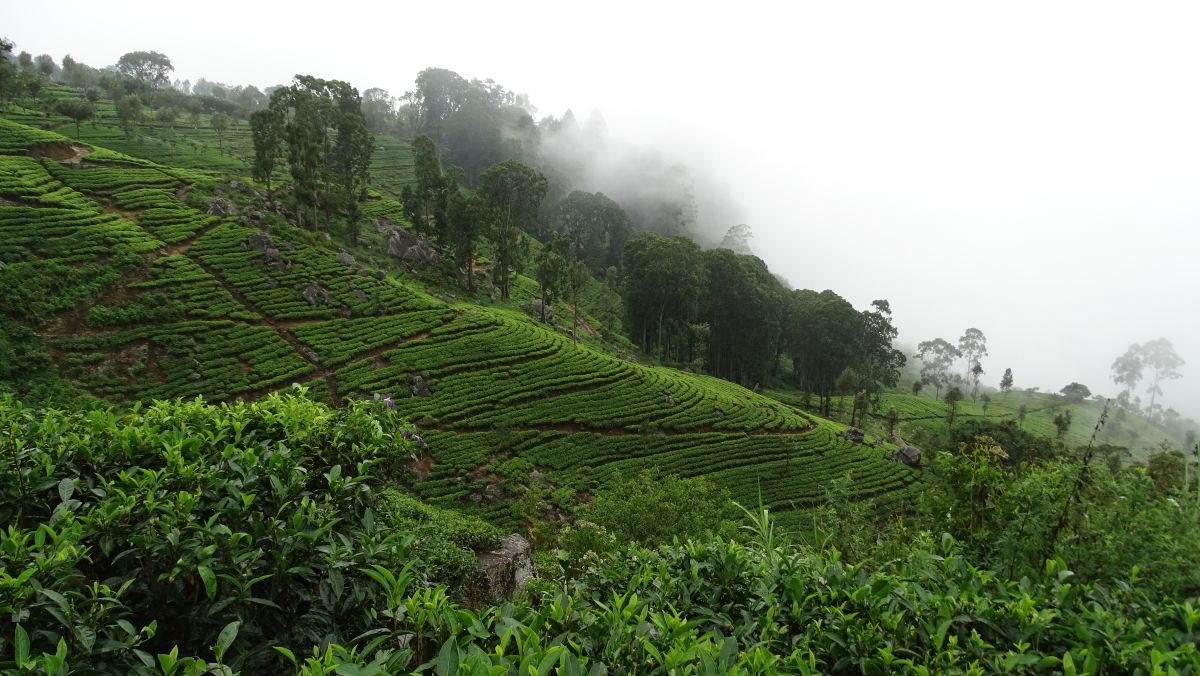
point(139, 534)
point(651, 508)
point(512, 194)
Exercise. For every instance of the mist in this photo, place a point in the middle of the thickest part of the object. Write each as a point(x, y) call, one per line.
point(1027, 169)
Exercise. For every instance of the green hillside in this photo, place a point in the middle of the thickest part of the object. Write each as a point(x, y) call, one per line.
point(136, 293)
point(921, 417)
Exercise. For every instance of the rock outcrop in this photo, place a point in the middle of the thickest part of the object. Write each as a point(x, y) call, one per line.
point(502, 571)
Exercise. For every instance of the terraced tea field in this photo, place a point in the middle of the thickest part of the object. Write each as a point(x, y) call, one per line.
point(233, 307)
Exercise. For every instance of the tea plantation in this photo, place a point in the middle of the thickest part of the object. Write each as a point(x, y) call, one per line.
point(143, 293)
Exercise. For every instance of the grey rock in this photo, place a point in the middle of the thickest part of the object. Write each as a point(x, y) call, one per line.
point(361, 295)
point(909, 455)
point(316, 294)
point(419, 387)
point(221, 206)
point(669, 400)
point(853, 435)
point(502, 572)
point(345, 259)
point(534, 309)
point(410, 248)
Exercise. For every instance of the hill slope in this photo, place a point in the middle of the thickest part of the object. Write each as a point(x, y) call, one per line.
point(144, 281)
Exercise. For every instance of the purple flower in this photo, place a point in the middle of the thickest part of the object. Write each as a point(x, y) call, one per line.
point(387, 399)
point(420, 442)
point(407, 435)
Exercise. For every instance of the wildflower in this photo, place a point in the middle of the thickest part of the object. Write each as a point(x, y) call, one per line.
point(387, 399)
point(420, 442)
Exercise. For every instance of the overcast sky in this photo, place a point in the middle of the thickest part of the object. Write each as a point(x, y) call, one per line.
point(1029, 168)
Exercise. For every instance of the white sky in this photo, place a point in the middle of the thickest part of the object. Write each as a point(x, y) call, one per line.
point(1029, 168)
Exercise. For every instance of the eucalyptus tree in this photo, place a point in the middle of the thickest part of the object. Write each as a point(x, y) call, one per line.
point(513, 193)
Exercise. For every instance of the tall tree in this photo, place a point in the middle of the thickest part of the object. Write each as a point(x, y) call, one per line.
point(219, 122)
point(45, 65)
point(1006, 382)
point(351, 156)
point(663, 282)
point(550, 270)
point(151, 68)
point(737, 239)
point(824, 333)
point(973, 345)
point(466, 220)
point(953, 397)
point(266, 131)
point(879, 362)
point(129, 113)
point(743, 310)
point(1127, 371)
point(513, 193)
point(1159, 355)
point(577, 278)
point(596, 226)
point(937, 355)
point(431, 190)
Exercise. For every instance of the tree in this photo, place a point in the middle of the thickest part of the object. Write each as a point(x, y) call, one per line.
point(1006, 382)
point(664, 279)
point(351, 156)
point(1127, 371)
point(219, 122)
point(986, 401)
point(596, 226)
point(550, 269)
point(129, 113)
point(916, 387)
point(938, 356)
point(823, 333)
point(431, 190)
point(266, 130)
point(1159, 355)
point(976, 371)
point(737, 239)
point(743, 309)
point(1021, 413)
point(465, 216)
point(513, 193)
point(893, 419)
point(76, 109)
point(151, 68)
point(1062, 423)
point(45, 65)
point(577, 278)
point(1076, 392)
point(973, 345)
point(8, 73)
point(953, 397)
point(879, 363)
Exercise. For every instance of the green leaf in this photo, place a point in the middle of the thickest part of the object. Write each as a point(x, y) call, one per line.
point(66, 488)
point(225, 639)
point(210, 580)
point(447, 659)
point(286, 653)
point(20, 645)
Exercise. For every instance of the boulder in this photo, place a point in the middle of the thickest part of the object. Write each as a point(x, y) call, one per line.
point(534, 309)
point(316, 294)
point(361, 295)
point(502, 572)
point(222, 207)
point(909, 455)
point(410, 248)
point(669, 400)
point(345, 259)
point(419, 387)
point(853, 435)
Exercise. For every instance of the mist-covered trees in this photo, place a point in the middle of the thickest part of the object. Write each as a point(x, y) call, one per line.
point(1076, 392)
point(151, 68)
point(596, 226)
point(937, 356)
point(76, 109)
point(1006, 381)
point(266, 129)
point(477, 123)
point(1129, 369)
point(426, 200)
point(512, 193)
